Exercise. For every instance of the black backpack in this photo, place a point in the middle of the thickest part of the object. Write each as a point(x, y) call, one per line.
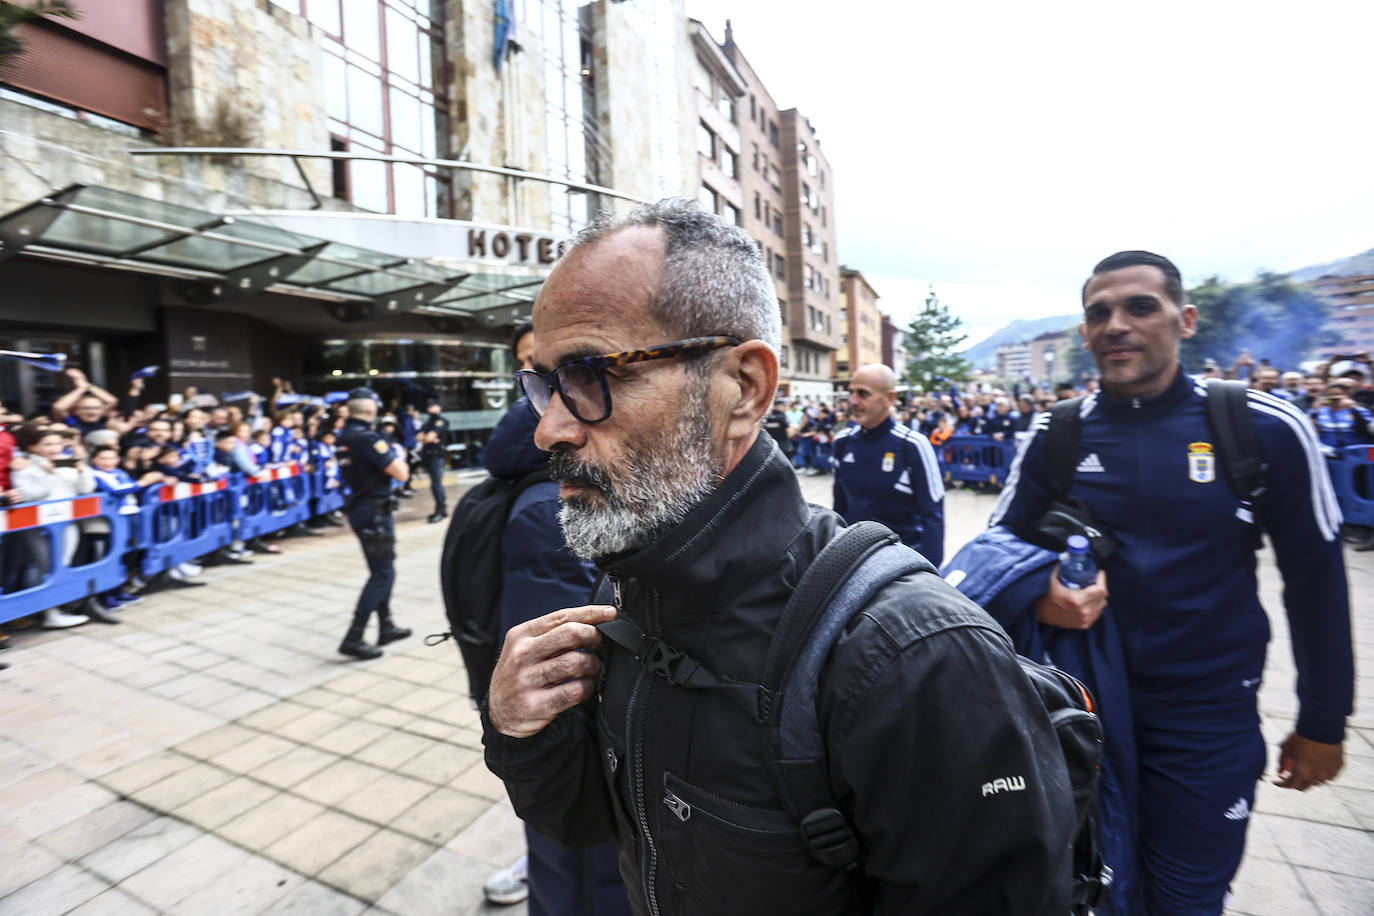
point(850, 569)
point(1232, 428)
point(470, 573)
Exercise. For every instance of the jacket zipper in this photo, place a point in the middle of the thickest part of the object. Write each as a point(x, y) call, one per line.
point(687, 801)
point(635, 724)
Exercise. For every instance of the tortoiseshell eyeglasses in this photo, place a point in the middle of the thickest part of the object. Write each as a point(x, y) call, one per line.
point(582, 382)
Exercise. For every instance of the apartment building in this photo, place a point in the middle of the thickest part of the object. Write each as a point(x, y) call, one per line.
point(864, 337)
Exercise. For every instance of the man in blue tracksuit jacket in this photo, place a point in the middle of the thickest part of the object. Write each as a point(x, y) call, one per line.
point(886, 472)
point(1183, 596)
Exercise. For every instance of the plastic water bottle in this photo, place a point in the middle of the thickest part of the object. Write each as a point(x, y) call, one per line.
point(1077, 568)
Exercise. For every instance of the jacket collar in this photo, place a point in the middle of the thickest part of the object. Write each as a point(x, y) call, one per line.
point(1178, 392)
point(882, 429)
point(731, 537)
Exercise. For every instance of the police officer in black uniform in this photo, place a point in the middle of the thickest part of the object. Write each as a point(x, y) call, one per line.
point(776, 426)
point(431, 437)
point(368, 464)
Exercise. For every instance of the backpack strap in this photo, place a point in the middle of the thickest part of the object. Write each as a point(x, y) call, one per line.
point(1233, 428)
point(839, 583)
point(1061, 446)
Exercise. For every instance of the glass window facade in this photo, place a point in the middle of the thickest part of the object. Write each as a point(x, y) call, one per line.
point(385, 93)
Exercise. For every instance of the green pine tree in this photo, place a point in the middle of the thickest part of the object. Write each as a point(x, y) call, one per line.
point(932, 338)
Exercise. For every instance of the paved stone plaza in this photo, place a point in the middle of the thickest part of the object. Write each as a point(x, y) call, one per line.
point(214, 755)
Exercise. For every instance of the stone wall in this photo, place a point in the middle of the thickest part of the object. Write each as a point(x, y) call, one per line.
point(246, 73)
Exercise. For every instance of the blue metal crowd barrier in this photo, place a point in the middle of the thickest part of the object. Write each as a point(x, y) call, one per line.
point(171, 525)
point(1352, 477)
point(180, 522)
point(39, 550)
point(976, 458)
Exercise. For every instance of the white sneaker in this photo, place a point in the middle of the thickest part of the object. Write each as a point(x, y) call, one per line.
point(190, 569)
point(509, 885)
point(55, 619)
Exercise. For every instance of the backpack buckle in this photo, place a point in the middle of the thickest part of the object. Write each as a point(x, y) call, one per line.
point(660, 658)
point(829, 838)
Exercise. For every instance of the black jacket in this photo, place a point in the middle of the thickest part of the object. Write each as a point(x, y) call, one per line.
point(922, 703)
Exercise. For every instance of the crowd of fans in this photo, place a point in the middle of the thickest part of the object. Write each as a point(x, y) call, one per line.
point(91, 441)
point(1340, 405)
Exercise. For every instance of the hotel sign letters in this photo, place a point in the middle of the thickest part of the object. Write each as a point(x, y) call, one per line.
point(514, 247)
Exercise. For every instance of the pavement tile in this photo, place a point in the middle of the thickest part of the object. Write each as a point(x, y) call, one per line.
point(147, 771)
point(1267, 888)
point(1326, 846)
point(179, 788)
point(139, 848)
point(241, 703)
point(337, 782)
point(440, 884)
point(349, 737)
point(376, 865)
point(24, 861)
point(49, 812)
point(244, 890)
point(113, 902)
point(385, 799)
point(170, 880)
point(1318, 804)
point(294, 766)
point(56, 892)
point(270, 821)
point(1339, 895)
point(224, 803)
point(440, 816)
point(496, 837)
point(92, 831)
point(311, 726)
point(440, 764)
point(270, 718)
point(217, 741)
point(432, 728)
point(253, 753)
point(393, 749)
point(315, 899)
point(391, 718)
point(102, 760)
point(43, 782)
point(318, 842)
point(478, 780)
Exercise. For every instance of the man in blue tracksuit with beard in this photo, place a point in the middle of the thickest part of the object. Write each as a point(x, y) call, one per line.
point(886, 472)
point(1183, 597)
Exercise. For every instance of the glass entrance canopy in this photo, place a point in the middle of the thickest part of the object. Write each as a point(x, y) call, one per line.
point(227, 257)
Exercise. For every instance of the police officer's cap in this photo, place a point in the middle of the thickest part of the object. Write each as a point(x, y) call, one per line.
point(360, 393)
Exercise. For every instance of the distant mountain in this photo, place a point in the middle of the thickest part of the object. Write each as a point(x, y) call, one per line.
point(1357, 265)
point(984, 355)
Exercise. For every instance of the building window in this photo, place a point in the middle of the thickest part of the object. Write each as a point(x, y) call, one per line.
point(779, 267)
point(782, 310)
point(822, 216)
point(729, 164)
point(753, 112)
point(730, 212)
point(384, 82)
point(825, 251)
point(706, 141)
point(758, 206)
point(707, 197)
point(777, 223)
point(756, 157)
point(726, 106)
point(808, 276)
point(782, 357)
point(774, 177)
point(773, 134)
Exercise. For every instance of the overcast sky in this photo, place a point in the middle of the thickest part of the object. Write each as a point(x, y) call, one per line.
point(997, 150)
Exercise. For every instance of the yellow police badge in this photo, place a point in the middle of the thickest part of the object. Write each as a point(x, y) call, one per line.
point(381, 446)
point(889, 461)
point(1202, 463)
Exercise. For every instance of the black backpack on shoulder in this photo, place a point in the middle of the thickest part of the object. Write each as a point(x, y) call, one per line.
point(842, 579)
point(470, 574)
point(1232, 427)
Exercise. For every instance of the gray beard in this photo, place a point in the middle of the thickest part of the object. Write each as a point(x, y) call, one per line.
point(660, 481)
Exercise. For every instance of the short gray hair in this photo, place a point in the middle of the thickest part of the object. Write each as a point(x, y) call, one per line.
point(714, 281)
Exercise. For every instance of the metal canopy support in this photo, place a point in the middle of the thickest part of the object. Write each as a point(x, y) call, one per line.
point(22, 228)
point(191, 232)
point(405, 300)
point(246, 281)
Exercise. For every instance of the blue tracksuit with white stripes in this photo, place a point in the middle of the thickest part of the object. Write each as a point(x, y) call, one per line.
point(1185, 603)
point(889, 474)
